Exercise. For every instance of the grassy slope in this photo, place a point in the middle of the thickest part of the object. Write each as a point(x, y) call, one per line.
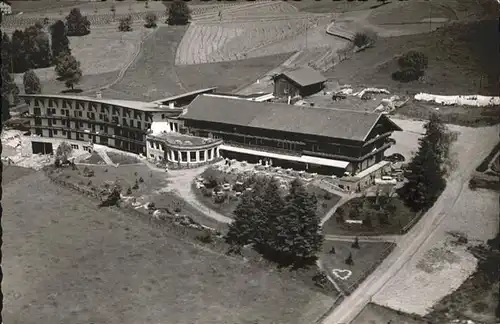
point(152, 76)
point(63, 259)
point(228, 76)
point(460, 62)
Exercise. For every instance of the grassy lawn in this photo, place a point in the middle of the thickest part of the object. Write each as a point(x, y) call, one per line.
point(126, 175)
point(87, 82)
point(12, 173)
point(376, 314)
point(154, 187)
point(228, 76)
point(63, 258)
point(153, 75)
point(366, 258)
point(326, 200)
point(399, 219)
point(122, 159)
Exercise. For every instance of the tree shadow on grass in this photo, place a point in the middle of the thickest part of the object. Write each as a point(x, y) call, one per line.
point(72, 91)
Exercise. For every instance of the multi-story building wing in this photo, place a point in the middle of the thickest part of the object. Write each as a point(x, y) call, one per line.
point(121, 124)
point(324, 140)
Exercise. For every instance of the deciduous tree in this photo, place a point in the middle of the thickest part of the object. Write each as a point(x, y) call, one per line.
point(37, 47)
point(31, 82)
point(68, 70)
point(412, 66)
point(77, 24)
point(178, 13)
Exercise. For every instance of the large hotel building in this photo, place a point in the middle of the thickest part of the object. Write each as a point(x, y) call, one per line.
point(201, 126)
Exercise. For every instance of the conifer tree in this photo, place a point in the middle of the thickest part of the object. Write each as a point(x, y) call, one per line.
point(60, 41)
point(426, 170)
point(243, 229)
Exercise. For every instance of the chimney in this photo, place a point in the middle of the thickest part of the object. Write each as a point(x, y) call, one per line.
point(171, 105)
point(98, 94)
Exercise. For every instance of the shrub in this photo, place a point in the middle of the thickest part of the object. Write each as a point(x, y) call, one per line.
point(88, 172)
point(364, 39)
point(136, 185)
point(413, 60)
point(151, 20)
point(141, 180)
point(320, 279)
point(129, 191)
point(349, 260)
point(355, 244)
point(125, 24)
point(206, 192)
point(219, 199)
point(206, 237)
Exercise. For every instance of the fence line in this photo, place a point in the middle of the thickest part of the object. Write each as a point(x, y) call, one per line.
point(415, 219)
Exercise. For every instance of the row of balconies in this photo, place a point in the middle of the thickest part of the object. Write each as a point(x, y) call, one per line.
point(90, 107)
point(86, 131)
point(97, 121)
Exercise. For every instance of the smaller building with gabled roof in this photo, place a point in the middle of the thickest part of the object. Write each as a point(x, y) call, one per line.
point(304, 81)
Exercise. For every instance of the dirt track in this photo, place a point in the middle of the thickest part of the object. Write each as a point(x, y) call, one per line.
point(397, 276)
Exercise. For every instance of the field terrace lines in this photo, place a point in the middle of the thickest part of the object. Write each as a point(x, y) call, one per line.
point(233, 41)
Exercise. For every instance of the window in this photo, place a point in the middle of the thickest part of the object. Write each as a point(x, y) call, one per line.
point(80, 114)
point(183, 156)
point(202, 155)
point(138, 124)
point(192, 156)
point(209, 154)
point(55, 131)
point(37, 112)
point(151, 156)
point(74, 146)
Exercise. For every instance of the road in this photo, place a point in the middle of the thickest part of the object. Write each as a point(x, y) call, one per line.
point(409, 244)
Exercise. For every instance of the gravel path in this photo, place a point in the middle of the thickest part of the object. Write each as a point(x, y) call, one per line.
point(181, 183)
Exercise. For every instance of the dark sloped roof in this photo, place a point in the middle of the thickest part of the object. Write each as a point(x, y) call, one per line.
point(334, 123)
point(304, 76)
